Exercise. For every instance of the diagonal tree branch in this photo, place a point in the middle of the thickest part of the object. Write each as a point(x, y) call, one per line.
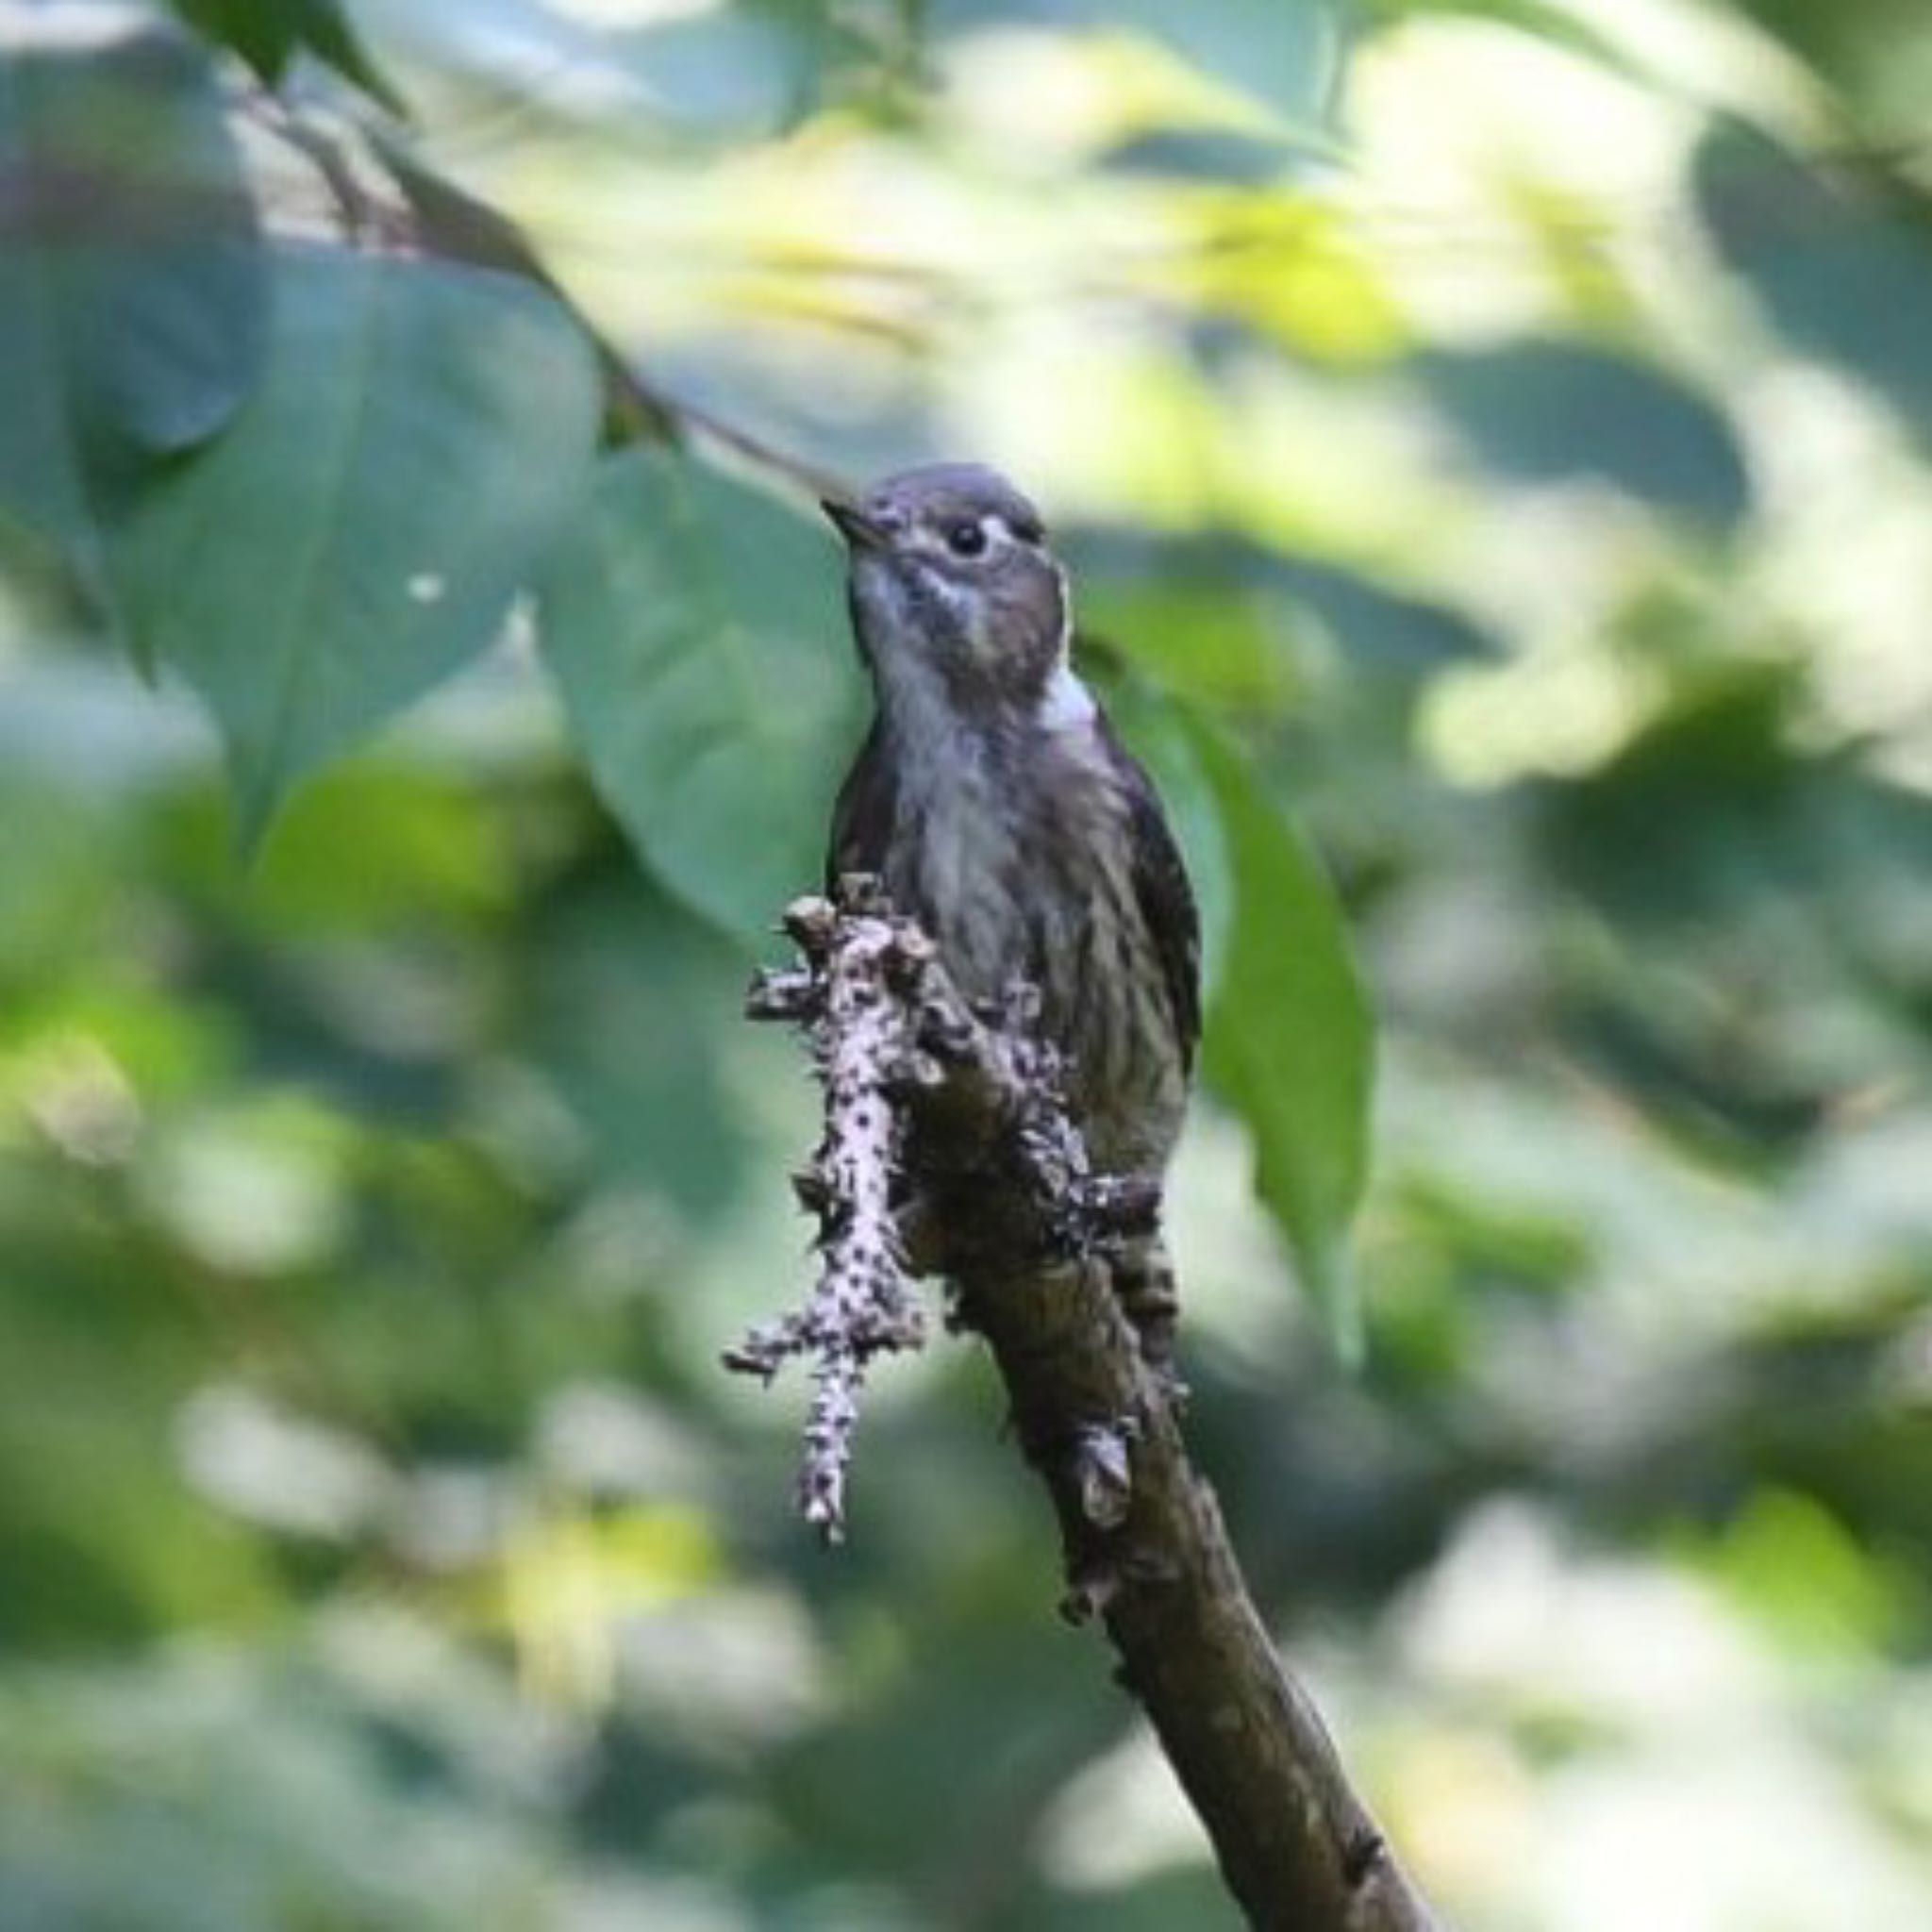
point(955, 1117)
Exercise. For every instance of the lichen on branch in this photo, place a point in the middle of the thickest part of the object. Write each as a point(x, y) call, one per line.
point(924, 1098)
point(863, 1304)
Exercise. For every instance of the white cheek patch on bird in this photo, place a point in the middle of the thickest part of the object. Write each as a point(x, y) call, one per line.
point(1066, 705)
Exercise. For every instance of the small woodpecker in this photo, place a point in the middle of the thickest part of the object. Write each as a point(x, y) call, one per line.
point(996, 806)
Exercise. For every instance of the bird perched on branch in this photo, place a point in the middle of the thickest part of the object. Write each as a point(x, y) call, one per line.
point(996, 806)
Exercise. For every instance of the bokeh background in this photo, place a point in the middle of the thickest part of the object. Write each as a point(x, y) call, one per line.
point(1516, 415)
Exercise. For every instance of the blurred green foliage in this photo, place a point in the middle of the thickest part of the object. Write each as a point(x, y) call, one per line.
point(1494, 432)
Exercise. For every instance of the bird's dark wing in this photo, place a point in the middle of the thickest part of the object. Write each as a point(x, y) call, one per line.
point(862, 816)
point(1165, 895)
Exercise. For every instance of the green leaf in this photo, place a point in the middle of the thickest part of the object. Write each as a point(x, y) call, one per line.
point(1289, 1042)
point(420, 435)
point(132, 291)
point(1158, 733)
point(695, 634)
point(630, 1014)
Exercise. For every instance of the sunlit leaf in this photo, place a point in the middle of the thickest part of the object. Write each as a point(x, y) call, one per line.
point(1542, 20)
point(694, 631)
point(1812, 1581)
point(1196, 638)
point(421, 434)
point(132, 283)
point(1295, 274)
point(1287, 52)
point(368, 845)
point(1288, 1037)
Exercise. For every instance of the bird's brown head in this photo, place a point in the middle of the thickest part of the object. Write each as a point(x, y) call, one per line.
point(953, 587)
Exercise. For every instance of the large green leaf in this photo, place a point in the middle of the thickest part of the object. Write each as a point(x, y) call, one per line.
point(695, 635)
point(1289, 1044)
point(1161, 734)
point(420, 436)
point(132, 283)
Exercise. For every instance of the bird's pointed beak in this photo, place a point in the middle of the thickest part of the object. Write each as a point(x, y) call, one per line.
point(852, 525)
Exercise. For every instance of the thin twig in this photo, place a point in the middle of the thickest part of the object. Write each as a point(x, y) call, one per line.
point(432, 216)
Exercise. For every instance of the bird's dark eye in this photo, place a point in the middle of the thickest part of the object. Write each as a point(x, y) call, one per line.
point(966, 539)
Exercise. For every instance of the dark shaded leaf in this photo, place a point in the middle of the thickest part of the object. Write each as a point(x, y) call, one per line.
point(1289, 1040)
point(420, 435)
point(1201, 614)
point(1842, 269)
point(1158, 733)
point(1764, 922)
point(1387, 629)
point(132, 291)
point(1545, 411)
point(1203, 153)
